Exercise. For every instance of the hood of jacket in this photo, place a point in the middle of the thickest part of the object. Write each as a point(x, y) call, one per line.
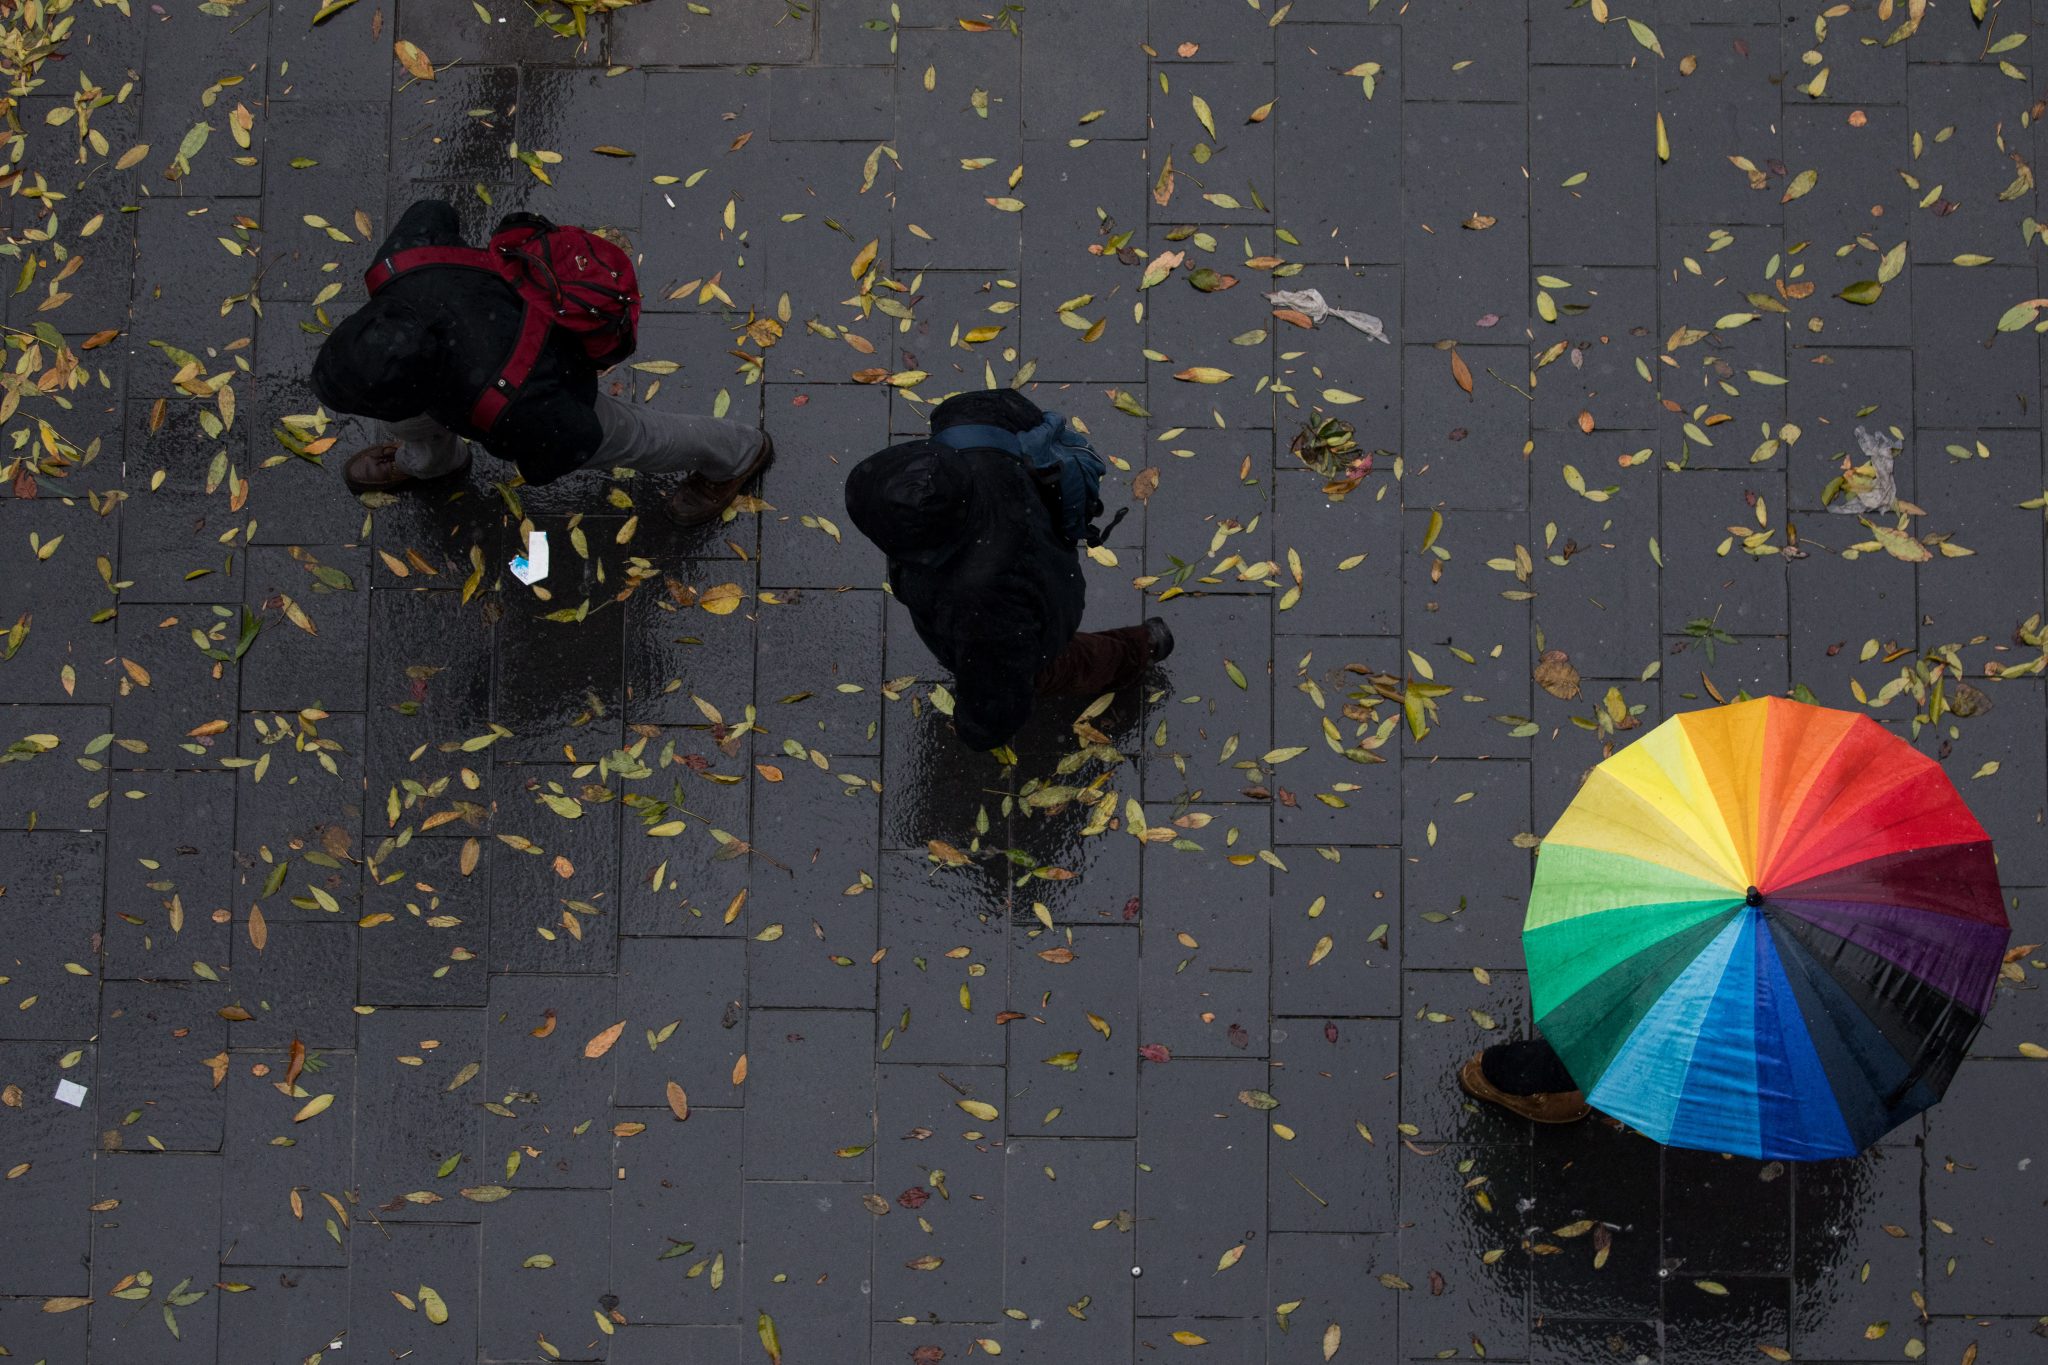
point(911, 500)
point(384, 361)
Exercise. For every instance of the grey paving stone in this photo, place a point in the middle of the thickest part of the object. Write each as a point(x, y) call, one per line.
point(1449, 1015)
point(40, 1337)
point(1594, 574)
point(1094, 193)
point(1208, 709)
point(1322, 1175)
point(1092, 1092)
point(1605, 1174)
point(643, 1345)
point(1464, 450)
point(763, 31)
point(1838, 608)
point(936, 129)
point(568, 875)
point(814, 1070)
point(1841, 1210)
point(536, 1287)
point(303, 1312)
point(155, 1038)
point(161, 900)
point(1973, 380)
point(1323, 1273)
point(429, 951)
point(1214, 28)
point(1334, 790)
point(960, 1174)
point(1353, 902)
point(1840, 389)
point(1728, 106)
point(1457, 1203)
point(845, 423)
point(1472, 874)
point(541, 1031)
point(1752, 665)
point(1330, 136)
point(1742, 594)
point(1698, 1326)
point(301, 984)
point(162, 1216)
point(52, 1143)
point(822, 837)
point(1078, 1298)
point(1213, 501)
point(1860, 69)
point(1697, 1246)
point(680, 1189)
point(387, 1269)
point(1205, 968)
point(1468, 51)
point(1079, 58)
point(56, 877)
point(939, 986)
point(262, 1173)
point(698, 986)
point(52, 590)
point(838, 713)
point(1461, 160)
point(1607, 318)
point(807, 1246)
point(1201, 1153)
point(1470, 631)
point(416, 1113)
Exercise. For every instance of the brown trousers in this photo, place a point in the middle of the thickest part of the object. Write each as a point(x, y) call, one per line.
point(1097, 661)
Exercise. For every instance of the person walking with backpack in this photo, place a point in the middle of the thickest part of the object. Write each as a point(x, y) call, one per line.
point(502, 345)
point(980, 523)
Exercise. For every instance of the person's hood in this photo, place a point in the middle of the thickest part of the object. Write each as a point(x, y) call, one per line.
point(911, 501)
point(382, 361)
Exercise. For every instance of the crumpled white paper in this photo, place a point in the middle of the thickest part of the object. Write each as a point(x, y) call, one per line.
point(1311, 302)
point(71, 1093)
point(532, 567)
point(1881, 451)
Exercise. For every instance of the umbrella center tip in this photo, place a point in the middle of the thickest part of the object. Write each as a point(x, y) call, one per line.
point(1753, 897)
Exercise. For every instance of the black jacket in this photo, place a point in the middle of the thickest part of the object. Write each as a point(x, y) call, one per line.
point(431, 339)
point(993, 590)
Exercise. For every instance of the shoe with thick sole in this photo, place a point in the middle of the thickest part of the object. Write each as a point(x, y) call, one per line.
point(1563, 1106)
point(699, 501)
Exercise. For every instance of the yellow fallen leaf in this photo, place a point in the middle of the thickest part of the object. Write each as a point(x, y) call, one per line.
point(980, 1109)
point(312, 1108)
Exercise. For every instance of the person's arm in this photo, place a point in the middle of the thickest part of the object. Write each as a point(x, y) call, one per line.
point(993, 687)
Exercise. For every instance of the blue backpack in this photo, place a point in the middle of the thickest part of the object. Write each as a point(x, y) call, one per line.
point(1065, 466)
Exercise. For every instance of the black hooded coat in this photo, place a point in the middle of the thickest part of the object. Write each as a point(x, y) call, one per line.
point(994, 592)
point(432, 338)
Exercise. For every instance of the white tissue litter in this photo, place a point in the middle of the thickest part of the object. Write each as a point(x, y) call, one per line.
point(1311, 302)
point(532, 567)
point(71, 1093)
point(1877, 491)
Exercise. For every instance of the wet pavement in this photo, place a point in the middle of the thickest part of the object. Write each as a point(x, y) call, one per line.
point(637, 970)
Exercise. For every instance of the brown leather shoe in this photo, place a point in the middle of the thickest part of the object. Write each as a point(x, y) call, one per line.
point(1564, 1106)
point(374, 469)
point(699, 500)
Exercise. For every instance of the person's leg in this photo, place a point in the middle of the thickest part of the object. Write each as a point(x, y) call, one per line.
point(426, 449)
point(637, 436)
point(1098, 661)
point(1526, 1067)
point(1526, 1079)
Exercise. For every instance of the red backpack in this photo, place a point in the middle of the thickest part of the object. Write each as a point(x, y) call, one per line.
point(566, 277)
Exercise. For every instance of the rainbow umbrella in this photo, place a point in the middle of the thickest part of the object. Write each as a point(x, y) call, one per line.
point(1765, 928)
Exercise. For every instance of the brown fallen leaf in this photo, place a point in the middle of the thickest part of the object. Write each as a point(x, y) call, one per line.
point(1554, 674)
point(678, 1102)
point(1479, 222)
point(602, 1043)
point(1460, 371)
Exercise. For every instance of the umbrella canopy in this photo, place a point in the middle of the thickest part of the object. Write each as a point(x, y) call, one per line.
point(1766, 928)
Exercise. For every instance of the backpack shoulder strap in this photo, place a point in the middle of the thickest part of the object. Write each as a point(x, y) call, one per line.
point(526, 351)
point(976, 436)
point(389, 267)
